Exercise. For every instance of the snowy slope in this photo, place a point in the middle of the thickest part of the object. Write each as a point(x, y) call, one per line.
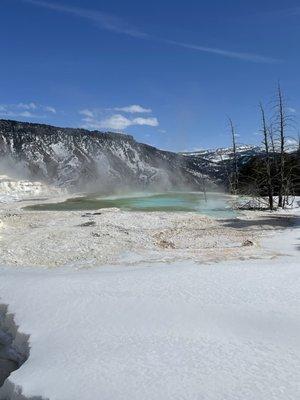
point(80, 159)
point(185, 332)
point(225, 153)
point(243, 152)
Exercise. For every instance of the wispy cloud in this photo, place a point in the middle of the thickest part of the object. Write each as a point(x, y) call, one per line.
point(115, 24)
point(103, 20)
point(25, 110)
point(87, 113)
point(50, 109)
point(226, 53)
point(27, 106)
point(135, 108)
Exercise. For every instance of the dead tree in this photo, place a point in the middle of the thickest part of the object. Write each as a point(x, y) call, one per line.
point(204, 187)
point(272, 145)
point(282, 123)
point(226, 172)
point(235, 170)
point(266, 134)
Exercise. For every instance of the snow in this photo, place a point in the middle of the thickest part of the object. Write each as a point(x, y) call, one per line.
point(180, 331)
point(217, 155)
point(17, 189)
point(30, 237)
point(60, 150)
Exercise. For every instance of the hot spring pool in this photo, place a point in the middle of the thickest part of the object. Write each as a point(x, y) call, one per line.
point(216, 205)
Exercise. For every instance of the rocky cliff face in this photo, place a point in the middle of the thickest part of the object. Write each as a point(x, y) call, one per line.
point(80, 159)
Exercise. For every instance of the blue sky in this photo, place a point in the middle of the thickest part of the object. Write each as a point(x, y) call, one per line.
point(168, 72)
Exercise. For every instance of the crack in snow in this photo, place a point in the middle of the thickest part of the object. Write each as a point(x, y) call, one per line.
point(14, 351)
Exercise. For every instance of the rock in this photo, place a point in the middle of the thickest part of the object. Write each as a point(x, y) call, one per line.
point(87, 215)
point(165, 244)
point(95, 234)
point(247, 243)
point(88, 223)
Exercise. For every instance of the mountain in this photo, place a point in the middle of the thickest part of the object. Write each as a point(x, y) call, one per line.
point(41, 158)
point(219, 161)
point(80, 159)
point(225, 153)
point(244, 152)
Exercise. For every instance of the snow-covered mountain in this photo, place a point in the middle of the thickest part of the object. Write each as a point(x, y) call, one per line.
point(80, 159)
point(219, 161)
point(222, 154)
point(244, 152)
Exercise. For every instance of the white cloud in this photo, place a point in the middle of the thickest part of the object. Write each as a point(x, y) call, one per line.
point(291, 141)
point(27, 106)
point(134, 108)
point(152, 121)
point(90, 123)
point(87, 113)
point(26, 114)
point(292, 110)
point(117, 122)
point(22, 114)
point(50, 109)
point(25, 110)
point(107, 119)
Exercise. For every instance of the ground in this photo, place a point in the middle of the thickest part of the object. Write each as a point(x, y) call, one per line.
point(180, 330)
point(114, 237)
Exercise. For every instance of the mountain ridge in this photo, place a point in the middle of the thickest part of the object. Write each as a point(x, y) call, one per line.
point(80, 159)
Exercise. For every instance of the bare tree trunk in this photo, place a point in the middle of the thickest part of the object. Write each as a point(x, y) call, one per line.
point(204, 188)
point(227, 173)
point(271, 136)
point(268, 161)
point(282, 125)
point(235, 182)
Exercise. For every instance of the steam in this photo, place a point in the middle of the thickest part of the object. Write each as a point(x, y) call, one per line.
point(14, 169)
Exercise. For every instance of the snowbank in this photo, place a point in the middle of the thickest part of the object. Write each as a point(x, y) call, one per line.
point(14, 348)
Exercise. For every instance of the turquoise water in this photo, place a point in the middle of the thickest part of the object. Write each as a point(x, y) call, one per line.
point(215, 206)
